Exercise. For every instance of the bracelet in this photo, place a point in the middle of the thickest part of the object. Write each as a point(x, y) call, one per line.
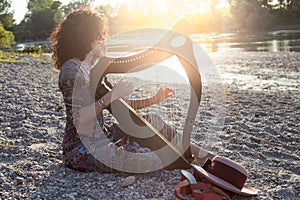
point(153, 100)
point(101, 103)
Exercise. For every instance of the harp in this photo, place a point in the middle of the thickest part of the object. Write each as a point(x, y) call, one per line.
point(172, 43)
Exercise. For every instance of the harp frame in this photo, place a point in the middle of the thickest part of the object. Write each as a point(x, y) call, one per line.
point(172, 43)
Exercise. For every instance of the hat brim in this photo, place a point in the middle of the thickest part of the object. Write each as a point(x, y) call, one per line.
point(246, 190)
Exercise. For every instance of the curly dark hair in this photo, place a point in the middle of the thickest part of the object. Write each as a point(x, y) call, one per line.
point(73, 37)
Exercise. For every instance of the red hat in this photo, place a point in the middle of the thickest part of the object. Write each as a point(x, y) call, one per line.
point(226, 174)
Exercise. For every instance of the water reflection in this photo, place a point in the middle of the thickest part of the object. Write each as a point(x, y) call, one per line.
point(272, 41)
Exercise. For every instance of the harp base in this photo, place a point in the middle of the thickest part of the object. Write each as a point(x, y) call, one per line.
point(154, 143)
point(180, 163)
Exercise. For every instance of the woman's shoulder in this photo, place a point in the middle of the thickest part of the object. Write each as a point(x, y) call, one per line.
point(68, 70)
point(70, 64)
point(72, 70)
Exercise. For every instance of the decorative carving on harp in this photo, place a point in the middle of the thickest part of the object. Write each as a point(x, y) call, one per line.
point(171, 44)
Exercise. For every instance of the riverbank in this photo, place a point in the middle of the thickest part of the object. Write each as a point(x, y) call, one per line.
point(261, 132)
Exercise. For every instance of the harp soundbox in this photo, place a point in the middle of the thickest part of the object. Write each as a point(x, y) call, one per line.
point(172, 43)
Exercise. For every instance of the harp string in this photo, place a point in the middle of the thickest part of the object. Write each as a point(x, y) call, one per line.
point(170, 110)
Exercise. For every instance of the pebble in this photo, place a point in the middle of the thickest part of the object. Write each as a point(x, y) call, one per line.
point(20, 180)
point(287, 193)
point(127, 181)
point(6, 186)
point(2, 180)
point(7, 129)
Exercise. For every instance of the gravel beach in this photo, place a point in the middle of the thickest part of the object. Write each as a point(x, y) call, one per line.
point(261, 131)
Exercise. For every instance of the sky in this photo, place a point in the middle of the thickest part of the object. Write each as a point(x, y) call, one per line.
point(19, 7)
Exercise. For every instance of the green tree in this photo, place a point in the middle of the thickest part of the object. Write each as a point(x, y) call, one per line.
point(4, 6)
point(286, 12)
point(21, 31)
point(41, 24)
point(106, 9)
point(250, 14)
point(74, 4)
point(34, 5)
point(41, 18)
point(6, 37)
point(295, 7)
point(6, 17)
point(7, 20)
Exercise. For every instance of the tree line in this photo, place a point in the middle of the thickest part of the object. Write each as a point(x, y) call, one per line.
point(43, 15)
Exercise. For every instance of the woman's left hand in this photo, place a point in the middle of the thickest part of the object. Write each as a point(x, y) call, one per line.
point(162, 94)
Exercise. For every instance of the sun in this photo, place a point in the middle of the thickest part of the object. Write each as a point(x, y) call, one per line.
point(179, 7)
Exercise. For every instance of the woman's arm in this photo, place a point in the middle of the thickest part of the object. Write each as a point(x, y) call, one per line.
point(87, 118)
point(87, 115)
point(160, 96)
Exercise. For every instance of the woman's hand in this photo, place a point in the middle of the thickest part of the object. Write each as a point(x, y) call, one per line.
point(121, 89)
point(162, 94)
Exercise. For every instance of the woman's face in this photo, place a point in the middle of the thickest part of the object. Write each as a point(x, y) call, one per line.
point(98, 50)
point(97, 41)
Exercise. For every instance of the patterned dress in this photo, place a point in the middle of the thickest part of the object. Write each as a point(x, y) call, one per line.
point(108, 149)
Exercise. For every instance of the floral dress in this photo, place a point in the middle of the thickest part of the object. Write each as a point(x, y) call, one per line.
point(107, 150)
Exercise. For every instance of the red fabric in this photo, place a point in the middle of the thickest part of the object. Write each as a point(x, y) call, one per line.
point(199, 190)
point(206, 196)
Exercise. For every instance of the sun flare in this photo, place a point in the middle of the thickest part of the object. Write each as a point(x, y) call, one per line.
point(175, 6)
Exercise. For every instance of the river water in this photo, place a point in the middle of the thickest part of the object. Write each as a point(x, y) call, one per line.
point(270, 41)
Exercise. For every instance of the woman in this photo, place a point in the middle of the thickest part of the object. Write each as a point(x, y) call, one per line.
point(89, 145)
